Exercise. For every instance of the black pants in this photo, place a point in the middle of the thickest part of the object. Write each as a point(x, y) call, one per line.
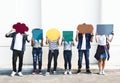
point(52, 54)
point(14, 60)
point(67, 58)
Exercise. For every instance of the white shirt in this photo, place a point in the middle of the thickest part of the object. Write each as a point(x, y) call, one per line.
point(67, 45)
point(101, 39)
point(37, 44)
point(18, 42)
point(83, 47)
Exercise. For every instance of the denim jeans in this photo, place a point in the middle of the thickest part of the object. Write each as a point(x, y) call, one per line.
point(67, 58)
point(18, 54)
point(37, 56)
point(52, 54)
point(80, 56)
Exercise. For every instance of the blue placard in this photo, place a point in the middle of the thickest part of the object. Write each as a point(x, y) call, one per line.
point(37, 33)
point(104, 29)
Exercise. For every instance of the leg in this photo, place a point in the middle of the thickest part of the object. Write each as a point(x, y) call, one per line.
point(56, 52)
point(50, 55)
point(80, 56)
point(65, 60)
point(20, 61)
point(69, 59)
point(14, 59)
point(34, 53)
point(100, 66)
point(86, 53)
point(40, 58)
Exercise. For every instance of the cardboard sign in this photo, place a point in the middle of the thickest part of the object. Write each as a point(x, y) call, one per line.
point(104, 29)
point(68, 36)
point(37, 34)
point(53, 34)
point(85, 28)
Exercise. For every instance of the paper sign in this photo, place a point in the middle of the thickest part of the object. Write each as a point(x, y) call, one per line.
point(53, 34)
point(37, 34)
point(85, 28)
point(105, 29)
point(68, 36)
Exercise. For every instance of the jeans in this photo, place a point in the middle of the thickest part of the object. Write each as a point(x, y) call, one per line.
point(37, 56)
point(80, 56)
point(67, 58)
point(16, 54)
point(52, 53)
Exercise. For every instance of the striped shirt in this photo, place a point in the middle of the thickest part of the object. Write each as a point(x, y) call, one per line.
point(53, 45)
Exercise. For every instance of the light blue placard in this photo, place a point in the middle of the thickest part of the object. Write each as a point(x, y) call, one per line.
point(104, 29)
point(37, 33)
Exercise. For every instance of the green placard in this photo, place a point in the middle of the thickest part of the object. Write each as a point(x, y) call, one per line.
point(68, 36)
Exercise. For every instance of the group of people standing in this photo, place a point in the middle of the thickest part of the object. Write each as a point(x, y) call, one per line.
point(83, 39)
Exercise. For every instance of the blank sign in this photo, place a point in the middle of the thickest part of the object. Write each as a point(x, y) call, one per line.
point(104, 29)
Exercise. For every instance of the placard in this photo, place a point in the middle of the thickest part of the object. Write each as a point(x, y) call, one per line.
point(68, 36)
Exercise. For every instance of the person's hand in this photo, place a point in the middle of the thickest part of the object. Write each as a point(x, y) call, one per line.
point(112, 33)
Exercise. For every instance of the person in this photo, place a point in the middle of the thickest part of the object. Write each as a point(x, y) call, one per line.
point(53, 53)
point(37, 54)
point(67, 54)
point(83, 47)
point(18, 48)
point(102, 52)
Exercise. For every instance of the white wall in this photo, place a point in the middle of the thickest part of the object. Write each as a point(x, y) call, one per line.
point(61, 14)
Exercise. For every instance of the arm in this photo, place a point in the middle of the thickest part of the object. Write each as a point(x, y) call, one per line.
point(46, 40)
point(92, 35)
point(8, 34)
point(76, 38)
point(42, 42)
point(96, 39)
point(110, 39)
point(32, 42)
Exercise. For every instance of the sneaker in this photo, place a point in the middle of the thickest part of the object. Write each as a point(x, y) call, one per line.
point(47, 73)
point(103, 72)
point(88, 71)
point(79, 71)
point(65, 73)
point(20, 74)
point(54, 72)
point(70, 72)
point(40, 72)
point(13, 73)
point(34, 72)
point(100, 73)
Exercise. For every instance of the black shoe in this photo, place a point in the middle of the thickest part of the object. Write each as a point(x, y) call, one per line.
point(78, 72)
point(88, 71)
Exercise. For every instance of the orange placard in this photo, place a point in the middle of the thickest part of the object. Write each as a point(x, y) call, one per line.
point(85, 28)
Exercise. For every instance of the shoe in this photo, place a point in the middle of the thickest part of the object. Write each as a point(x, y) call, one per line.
point(88, 71)
point(100, 73)
point(103, 72)
point(13, 73)
point(65, 73)
point(79, 71)
point(20, 74)
point(40, 72)
point(54, 72)
point(47, 73)
point(69, 72)
point(34, 72)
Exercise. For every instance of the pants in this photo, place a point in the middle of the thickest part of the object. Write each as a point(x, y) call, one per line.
point(67, 58)
point(52, 54)
point(80, 56)
point(37, 56)
point(14, 60)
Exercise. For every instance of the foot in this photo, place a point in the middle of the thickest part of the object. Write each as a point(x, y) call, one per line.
point(65, 73)
point(54, 72)
point(88, 71)
point(79, 71)
point(40, 72)
point(34, 72)
point(47, 73)
point(69, 72)
point(100, 73)
point(103, 72)
point(13, 73)
point(20, 74)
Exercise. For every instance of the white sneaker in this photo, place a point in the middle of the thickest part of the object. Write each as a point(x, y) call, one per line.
point(47, 73)
point(13, 73)
point(54, 72)
point(70, 72)
point(100, 73)
point(20, 74)
point(103, 72)
point(65, 73)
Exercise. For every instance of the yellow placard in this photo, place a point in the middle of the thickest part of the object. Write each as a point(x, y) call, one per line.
point(53, 34)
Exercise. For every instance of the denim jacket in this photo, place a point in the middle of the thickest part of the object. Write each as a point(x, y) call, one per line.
point(13, 35)
point(88, 39)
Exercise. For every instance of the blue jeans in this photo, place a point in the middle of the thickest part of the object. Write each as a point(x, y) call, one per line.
point(67, 58)
point(80, 56)
point(37, 56)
